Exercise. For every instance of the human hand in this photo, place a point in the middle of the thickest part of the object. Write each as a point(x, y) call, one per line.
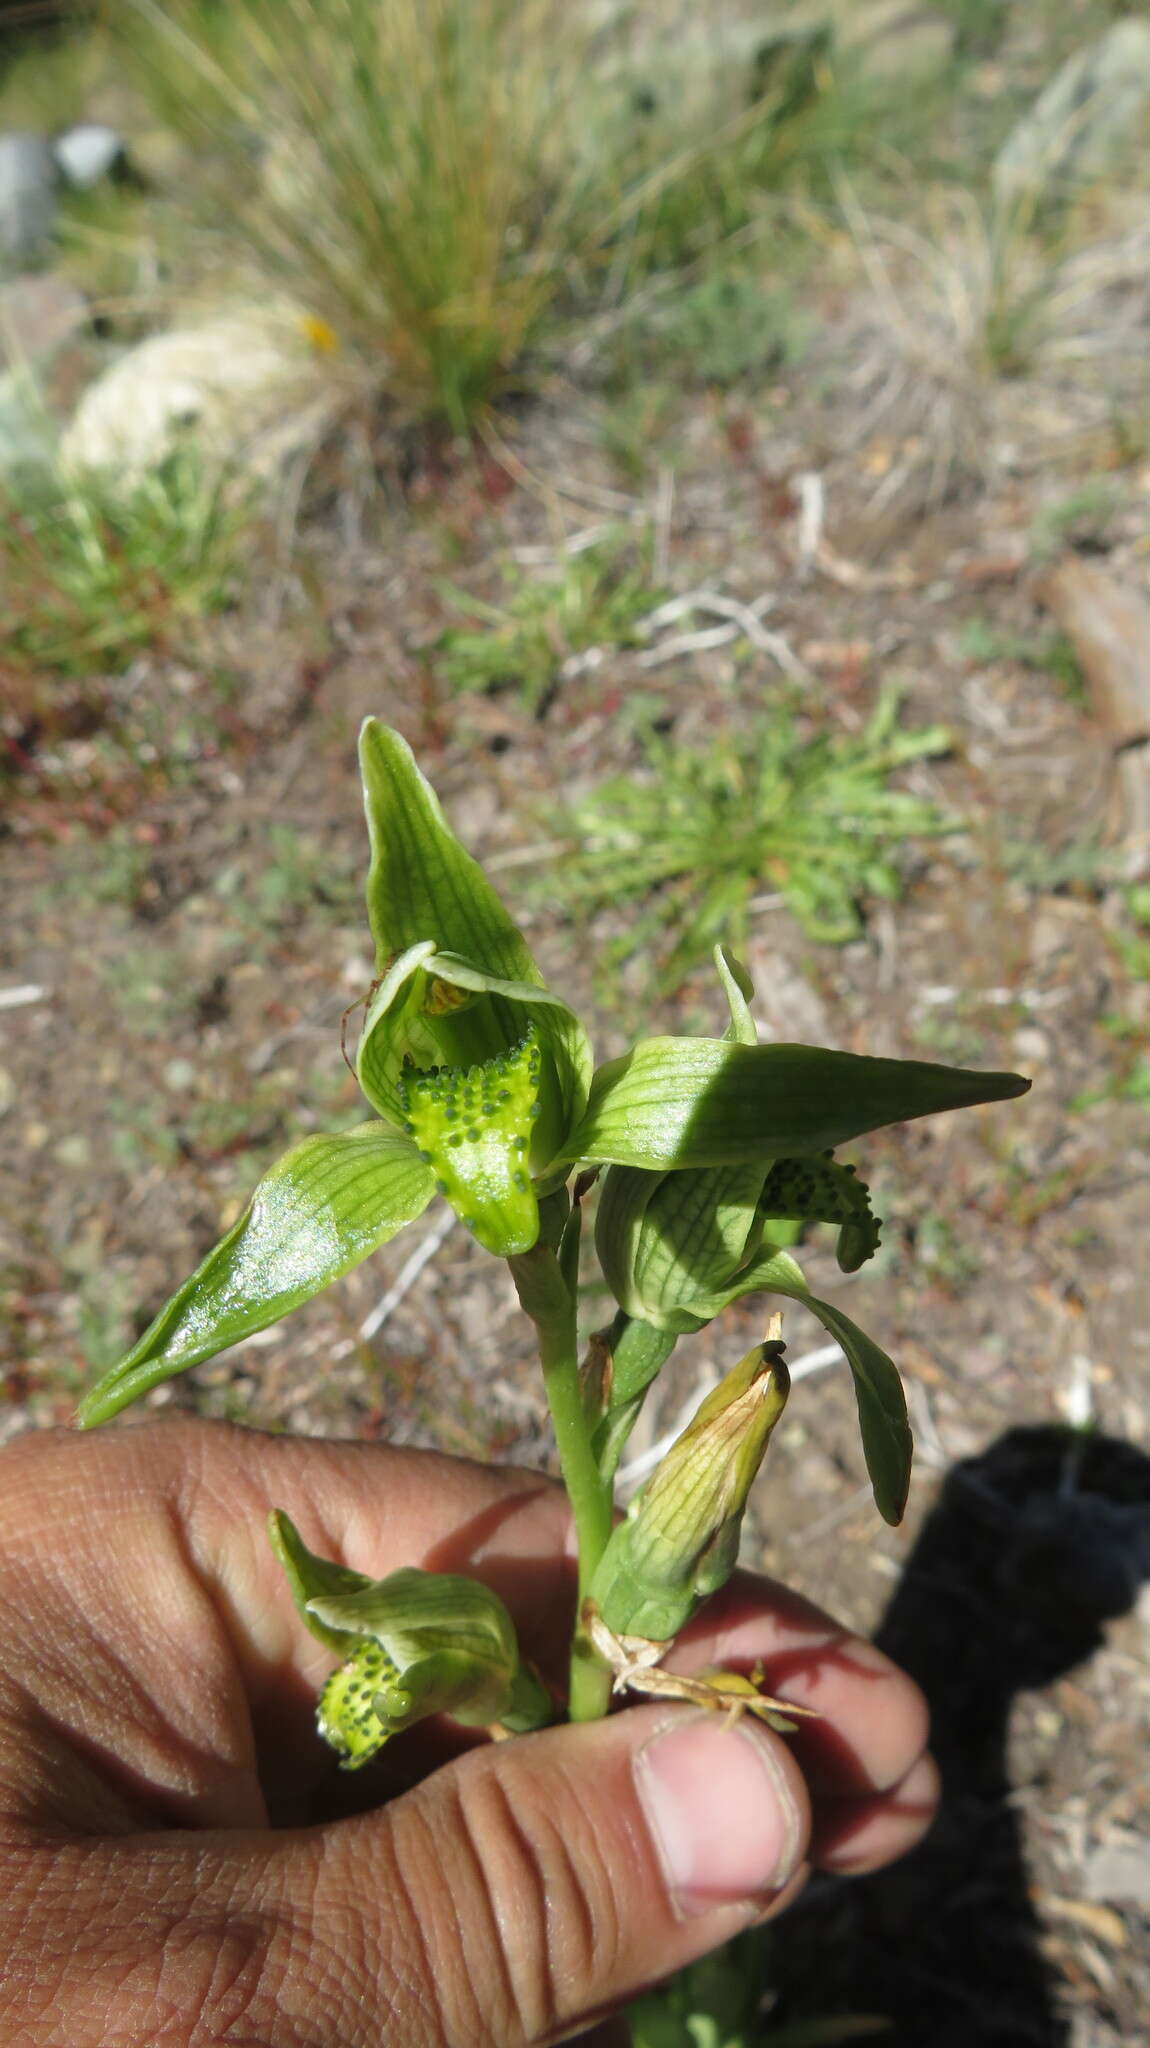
point(179, 1864)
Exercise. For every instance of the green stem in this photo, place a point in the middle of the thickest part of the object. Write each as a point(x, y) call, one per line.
point(550, 1304)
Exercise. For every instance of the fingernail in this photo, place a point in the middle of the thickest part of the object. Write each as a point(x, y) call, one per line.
point(720, 1810)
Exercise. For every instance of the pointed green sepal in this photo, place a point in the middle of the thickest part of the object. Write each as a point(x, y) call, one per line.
point(319, 1211)
point(738, 989)
point(312, 1578)
point(421, 883)
point(678, 1102)
point(473, 1129)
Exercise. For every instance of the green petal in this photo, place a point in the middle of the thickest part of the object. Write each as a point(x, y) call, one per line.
point(886, 1438)
point(676, 1102)
point(319, 1211)
point(395, 1030)
point(473, 1129)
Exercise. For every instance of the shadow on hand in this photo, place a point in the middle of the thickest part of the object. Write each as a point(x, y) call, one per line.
point(1032, 1547)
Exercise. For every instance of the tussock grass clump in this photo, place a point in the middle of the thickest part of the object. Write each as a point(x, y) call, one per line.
point(398, 166)
point(812, 818)
point(987, 306)
point(436, 182)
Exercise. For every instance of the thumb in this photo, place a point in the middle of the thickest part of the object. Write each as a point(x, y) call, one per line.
point(532, 1885)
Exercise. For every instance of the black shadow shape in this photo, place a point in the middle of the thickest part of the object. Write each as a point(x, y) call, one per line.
point(1032, 1547)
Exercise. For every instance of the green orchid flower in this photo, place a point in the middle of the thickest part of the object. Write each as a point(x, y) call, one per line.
point(477, 1074)
point(678, 1245)
point(412, 1644)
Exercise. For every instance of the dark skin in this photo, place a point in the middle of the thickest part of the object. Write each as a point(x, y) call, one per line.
point(180, 1863)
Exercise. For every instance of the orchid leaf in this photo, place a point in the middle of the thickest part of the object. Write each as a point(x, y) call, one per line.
point(678, 1102)
point(319, 1211)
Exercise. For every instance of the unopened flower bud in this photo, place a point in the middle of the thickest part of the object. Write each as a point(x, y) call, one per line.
point(680, 1539)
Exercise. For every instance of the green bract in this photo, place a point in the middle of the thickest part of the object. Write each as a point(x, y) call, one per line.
point(323, 1207)
point(679, 1540)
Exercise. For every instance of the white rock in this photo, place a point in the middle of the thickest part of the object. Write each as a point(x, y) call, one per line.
point(247, 389)
point(1080, 121)
point(87, 153)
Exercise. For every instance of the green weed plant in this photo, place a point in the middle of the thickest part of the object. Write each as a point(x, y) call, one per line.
point(596, 597)
point(684, 844)
point(95, 570)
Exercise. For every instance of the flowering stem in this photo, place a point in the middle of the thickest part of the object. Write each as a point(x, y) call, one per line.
point(550, 1304)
